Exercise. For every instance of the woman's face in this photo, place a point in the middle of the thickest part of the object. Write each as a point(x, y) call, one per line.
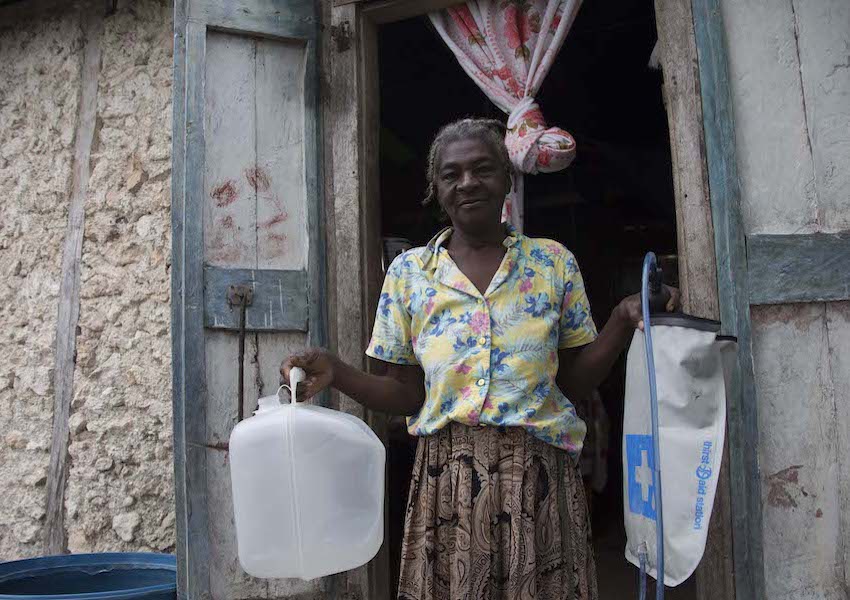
point(471, 185)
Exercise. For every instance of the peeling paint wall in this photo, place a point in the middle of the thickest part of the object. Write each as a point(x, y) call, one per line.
point(119, 492)
point(790, 72)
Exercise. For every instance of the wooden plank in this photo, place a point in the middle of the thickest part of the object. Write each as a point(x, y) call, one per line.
point(821, 34)
point(802, 520)
point(193, 396)
point(697, 266)
point(279, 175)
point(230, 202)
point(812, 267)
point(280, 299)
point(69, 289)
point(370, 194)
point(344, 176)
point(388, 11)
point(227, 579)
point(346, 152)
point(328, 59)
point(316, 256)
point(347, 174)
point(695, 231)
point(288, 19)
point(417, 7)
point(330, 99)
point(771, 134)
point(178, 149)
point(730, 250)
point(372, 247)
point(838, 363)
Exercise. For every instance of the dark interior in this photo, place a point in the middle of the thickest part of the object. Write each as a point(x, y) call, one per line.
point(611, 206)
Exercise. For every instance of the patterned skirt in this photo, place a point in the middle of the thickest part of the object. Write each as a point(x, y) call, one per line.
point(495, 514)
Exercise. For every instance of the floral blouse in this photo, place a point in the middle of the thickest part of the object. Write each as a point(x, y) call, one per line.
point(488, 359)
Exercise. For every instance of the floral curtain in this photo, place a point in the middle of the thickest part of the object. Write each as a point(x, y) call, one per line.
point(507, 47)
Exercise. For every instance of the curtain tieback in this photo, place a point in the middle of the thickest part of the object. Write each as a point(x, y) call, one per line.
point(532, 146)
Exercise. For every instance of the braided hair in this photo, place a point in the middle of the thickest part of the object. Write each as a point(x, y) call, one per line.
point(488, 131)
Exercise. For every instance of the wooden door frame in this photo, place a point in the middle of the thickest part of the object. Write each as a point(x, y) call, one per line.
point(710, 234)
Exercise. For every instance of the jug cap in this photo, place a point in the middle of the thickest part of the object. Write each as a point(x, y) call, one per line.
point(268, 403)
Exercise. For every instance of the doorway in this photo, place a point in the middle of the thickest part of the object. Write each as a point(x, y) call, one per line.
point(614, 203)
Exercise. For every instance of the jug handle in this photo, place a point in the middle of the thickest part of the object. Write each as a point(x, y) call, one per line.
point(296, 376)
point(291, 399)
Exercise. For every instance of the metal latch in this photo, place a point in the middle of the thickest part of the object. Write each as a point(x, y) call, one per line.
point(241, 296)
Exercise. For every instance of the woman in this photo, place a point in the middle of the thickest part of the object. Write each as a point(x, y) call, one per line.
point(487, 334)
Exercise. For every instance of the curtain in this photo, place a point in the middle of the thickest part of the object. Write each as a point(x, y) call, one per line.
point(507, 47)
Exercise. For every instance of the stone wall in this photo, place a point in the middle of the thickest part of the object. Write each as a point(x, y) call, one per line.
point(119, 492)
point(39, 81)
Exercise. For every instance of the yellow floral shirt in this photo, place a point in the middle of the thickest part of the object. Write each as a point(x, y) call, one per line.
point(488, 359)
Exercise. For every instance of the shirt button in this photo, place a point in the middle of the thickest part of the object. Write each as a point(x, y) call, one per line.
point(482, 340)
point(480, 382)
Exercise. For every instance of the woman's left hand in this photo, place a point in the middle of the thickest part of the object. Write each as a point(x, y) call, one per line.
point(630, 309)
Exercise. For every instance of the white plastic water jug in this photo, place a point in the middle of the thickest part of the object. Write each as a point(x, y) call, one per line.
point(308, 490)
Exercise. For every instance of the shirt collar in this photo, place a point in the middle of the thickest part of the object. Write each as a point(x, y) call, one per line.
point(436, 244)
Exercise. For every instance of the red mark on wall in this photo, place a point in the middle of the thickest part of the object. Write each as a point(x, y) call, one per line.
point(274, 247)
point(258, 179)
point(224, 194)
point(276, 219)
point(223, 246)
point(784, 487)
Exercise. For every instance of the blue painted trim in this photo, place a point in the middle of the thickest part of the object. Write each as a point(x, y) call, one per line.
point(280, 300)
point(730, 248)
point(194, 362)
point(282, 19)
point(178, 398)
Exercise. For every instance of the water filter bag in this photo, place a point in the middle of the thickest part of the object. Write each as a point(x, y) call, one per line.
point(693, 365)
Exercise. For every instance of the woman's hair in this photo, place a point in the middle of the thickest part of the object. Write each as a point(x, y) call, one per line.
point(489, 131)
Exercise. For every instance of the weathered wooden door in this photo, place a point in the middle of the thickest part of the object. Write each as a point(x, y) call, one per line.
point(247, 211)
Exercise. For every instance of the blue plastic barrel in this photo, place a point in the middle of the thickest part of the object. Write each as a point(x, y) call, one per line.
point(108, 576)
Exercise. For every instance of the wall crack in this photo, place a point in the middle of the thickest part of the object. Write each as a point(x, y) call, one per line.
point(809, 144)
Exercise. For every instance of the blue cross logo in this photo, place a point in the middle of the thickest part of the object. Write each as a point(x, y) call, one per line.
point(640, 463)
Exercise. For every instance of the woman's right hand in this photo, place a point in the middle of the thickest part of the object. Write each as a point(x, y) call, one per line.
point(318, 364)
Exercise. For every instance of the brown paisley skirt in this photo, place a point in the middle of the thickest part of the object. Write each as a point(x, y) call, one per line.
point(495, 514)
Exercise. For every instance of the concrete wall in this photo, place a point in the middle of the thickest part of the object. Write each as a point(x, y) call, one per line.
point(119, 493)
point(790, 71)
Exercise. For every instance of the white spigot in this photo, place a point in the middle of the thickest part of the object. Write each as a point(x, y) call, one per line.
point(296, 375)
